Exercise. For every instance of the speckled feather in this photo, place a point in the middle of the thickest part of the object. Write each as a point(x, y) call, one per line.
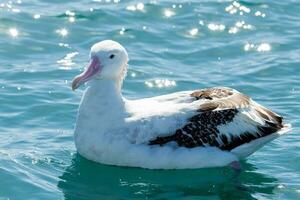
point(223, 107)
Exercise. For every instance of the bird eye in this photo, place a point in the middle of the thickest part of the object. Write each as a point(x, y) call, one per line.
point(111, 56)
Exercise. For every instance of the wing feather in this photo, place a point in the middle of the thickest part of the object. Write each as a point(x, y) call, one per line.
point(225, 119)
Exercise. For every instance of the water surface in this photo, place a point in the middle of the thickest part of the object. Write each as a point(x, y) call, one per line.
point(252, 46)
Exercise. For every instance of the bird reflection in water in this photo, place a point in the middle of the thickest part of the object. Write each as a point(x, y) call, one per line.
point(84, 179)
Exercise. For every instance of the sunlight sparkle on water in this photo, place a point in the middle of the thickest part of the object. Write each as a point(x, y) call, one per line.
point(70, 13)
point(258, 13)
point(63, 32)
point(122, 31)
point(263, 47)
point(67, 61)
point(36, 16)
point(13, 32)
point(71, 19)
point(233, 30)
point(236, 7)
point(133, 74)
point(64, 45)
point(239, 24)
point(193, 31)
point(160, 83)
point(248, 46)
point(16, 10)
point(169, 13)
point(137, 7)
point(216, 27)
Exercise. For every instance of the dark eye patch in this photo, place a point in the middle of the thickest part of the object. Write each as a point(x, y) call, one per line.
point(111, 56)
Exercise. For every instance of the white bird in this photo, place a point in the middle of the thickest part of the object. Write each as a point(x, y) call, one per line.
point(190, 129)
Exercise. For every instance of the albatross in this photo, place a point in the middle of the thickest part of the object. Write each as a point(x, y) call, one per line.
point(210, 127)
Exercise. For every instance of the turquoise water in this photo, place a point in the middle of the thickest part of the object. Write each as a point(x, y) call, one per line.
point(252, 46)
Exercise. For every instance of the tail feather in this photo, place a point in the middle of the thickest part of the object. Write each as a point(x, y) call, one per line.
point(272, 118)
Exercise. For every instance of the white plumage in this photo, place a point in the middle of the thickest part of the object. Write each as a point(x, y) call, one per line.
point(190, 129)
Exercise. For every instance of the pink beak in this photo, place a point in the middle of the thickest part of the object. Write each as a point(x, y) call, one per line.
point(88, 74)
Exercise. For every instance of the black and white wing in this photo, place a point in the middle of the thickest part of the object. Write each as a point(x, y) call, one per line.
point(226, 119)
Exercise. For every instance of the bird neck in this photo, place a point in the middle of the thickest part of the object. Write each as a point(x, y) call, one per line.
point(102, 107)
point(105, 92)
point(105, 86)
point(102, 99)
